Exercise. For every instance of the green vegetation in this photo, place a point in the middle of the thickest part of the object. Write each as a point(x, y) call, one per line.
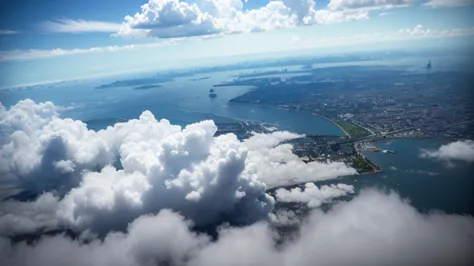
point(354, 131)
point(362, 163)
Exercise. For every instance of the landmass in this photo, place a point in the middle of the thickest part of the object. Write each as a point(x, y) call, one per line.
point(196, 79)
point(147, 87)
point(367, 104)
point(133, 82)
point(387, 102)
point(352, 130)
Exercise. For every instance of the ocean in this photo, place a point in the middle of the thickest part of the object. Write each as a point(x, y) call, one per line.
point(428, 184)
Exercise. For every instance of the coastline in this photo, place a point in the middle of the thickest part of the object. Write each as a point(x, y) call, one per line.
point(289, 110)
point(375, 167)
point(332, 121)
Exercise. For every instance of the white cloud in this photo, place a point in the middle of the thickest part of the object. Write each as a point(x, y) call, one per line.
point(8, 32)
point(285, 217)
point(168, 19)
point(38, 54)
point(418, 32)
point(459, 150)
point(448, 3)
point(367, 4)
point(322, 17)
point(79, 26)
point(312, 195)
point(373, 229)
point(148, 240)
point(157, 166)
point(18, 217)
point(175, 18)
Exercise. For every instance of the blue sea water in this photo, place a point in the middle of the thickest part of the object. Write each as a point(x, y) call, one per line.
point(428, 184)
point(182, 101)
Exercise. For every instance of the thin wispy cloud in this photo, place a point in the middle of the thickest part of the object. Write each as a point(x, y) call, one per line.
point(8, 32)
point(367, 4)
point(417, 32)
point(448, 3)
point(79, 26)
point(19, 55)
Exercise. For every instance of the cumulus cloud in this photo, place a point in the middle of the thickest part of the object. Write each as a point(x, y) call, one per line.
point(285, 217)
point(146, 185)
point(459, 150)
point(19, 217)
point(448, 3)
point(40, 151)
point(373, 229)
point(107, 178)
point(169, 18)
point(175, 18)
point(149, 240)
point(312, 195)
point(79, 26)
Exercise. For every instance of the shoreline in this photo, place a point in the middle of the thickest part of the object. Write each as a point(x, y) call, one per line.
point(332, 121)
point(376, 168)
point(289, 110)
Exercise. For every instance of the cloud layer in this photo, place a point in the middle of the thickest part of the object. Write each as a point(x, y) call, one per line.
point(175, 18)
point(459, 150)
point(79, 26)
point(373, 229)
point(38, 54)
point(135, 193)
point(141, 166)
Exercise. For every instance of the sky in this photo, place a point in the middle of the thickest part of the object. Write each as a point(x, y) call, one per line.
point(135, 192)
point(80, 39)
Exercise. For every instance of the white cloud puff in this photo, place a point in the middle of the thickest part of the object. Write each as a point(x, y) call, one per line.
point(108, 178)
point(373, 229)
point(312, 195)
point(175, 18)
point(459, 150)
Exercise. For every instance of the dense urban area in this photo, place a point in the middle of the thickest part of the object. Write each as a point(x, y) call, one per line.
point(367, 103)
point(380, 100)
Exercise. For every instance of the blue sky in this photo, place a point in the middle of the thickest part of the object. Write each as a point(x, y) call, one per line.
point(47, 40)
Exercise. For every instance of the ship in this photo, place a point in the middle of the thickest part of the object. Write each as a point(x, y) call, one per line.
point(429, 66)
point(212, 94)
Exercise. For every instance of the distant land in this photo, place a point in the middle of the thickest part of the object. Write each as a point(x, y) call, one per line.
point(373, 98)
point(134, 82)
point(196, 79)
point(147, 87)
